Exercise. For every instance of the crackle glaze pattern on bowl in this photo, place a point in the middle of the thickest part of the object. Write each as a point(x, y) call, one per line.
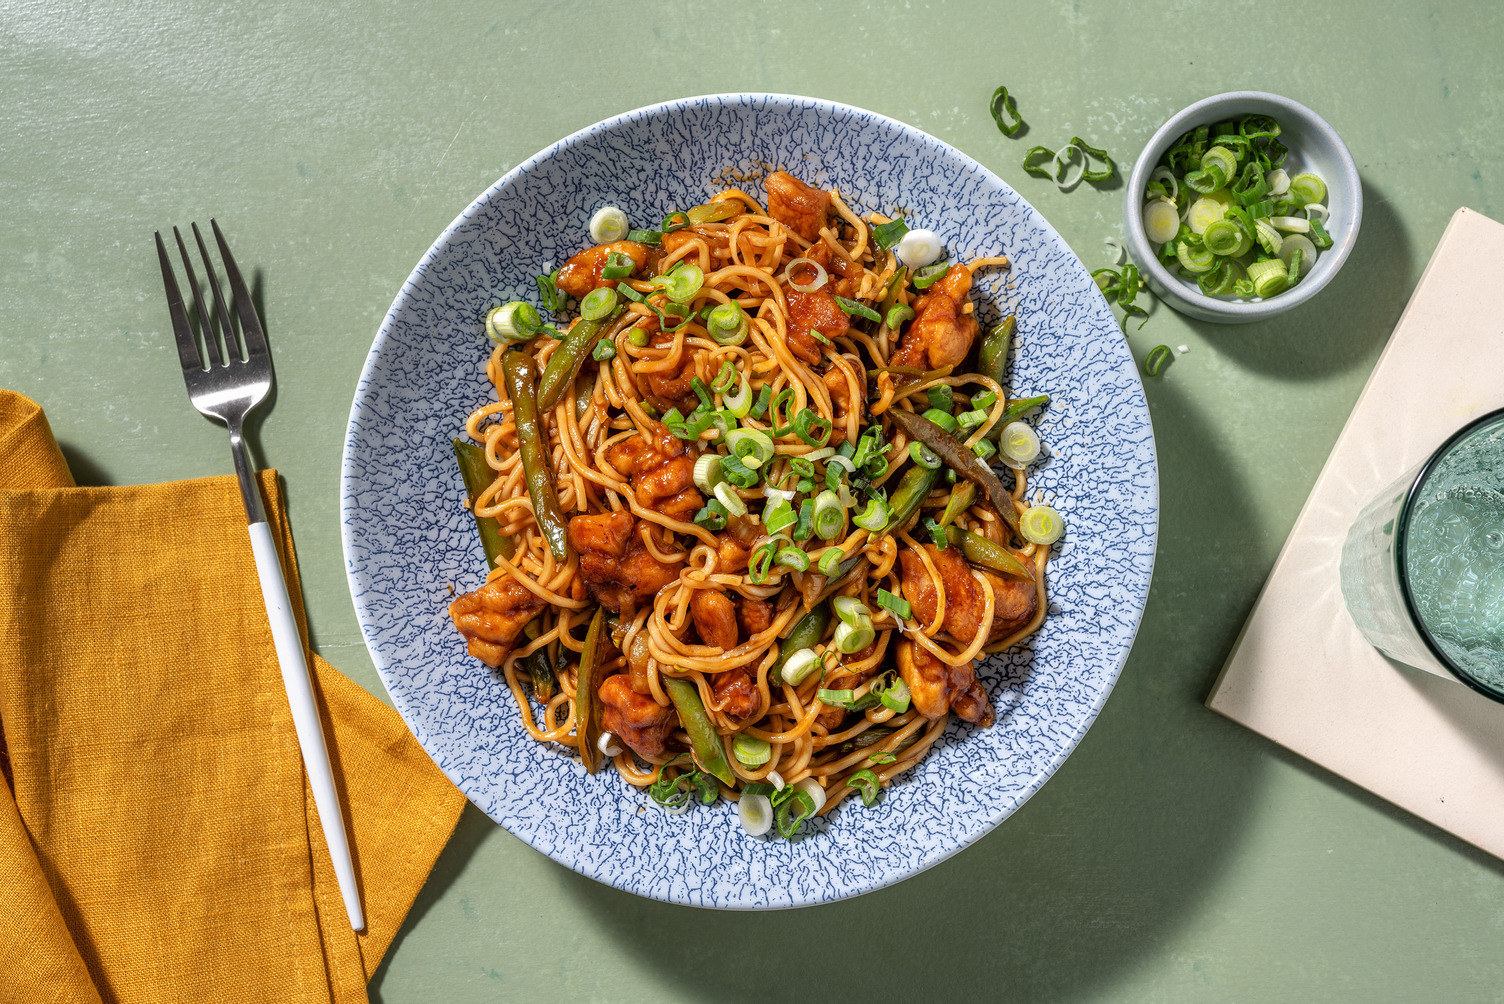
point(408, 540)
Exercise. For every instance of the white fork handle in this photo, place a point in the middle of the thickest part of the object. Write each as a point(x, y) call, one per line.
point(305, 716)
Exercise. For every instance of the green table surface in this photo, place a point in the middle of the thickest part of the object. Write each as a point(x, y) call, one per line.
point(1175, 856)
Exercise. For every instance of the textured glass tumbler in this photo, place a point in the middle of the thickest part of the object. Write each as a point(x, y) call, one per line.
point(1423, 564)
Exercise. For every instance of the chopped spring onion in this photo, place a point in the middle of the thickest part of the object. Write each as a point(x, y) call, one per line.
point(1195, 259)
point(855, 309)
point(1003, 102)
point(755, 813)
point(1279, 181)
point(942, 396)
point(682, 283)
point(804, 287)
point(1223, 237)
point(983, 448)
point(1019, 444)
point(778, 516)
point(1204, 212)
point(604, 351)
point(712, 517)
point(608, 225)
point(598, 303)
point(1319, 235)
point(930, 274)
point(829, 516)
point(924, 456)
point(1155, 361)
point(894, 696)
point(852, 638)
point(919, 248)
point(812, 788)
point(513, 322)
point(1317, 212)
point(897, 314)
point(1269, 276)
point(795, 810)
point(830, 562)
point(1161, 221)
point(727, 324)
point(1307, 187)
point(799, 665)
point(1293, 265)
point(1041, 524)
point(851, 610)
point(607, 744)
point(730, 499)
point(867, 784)
point(653, 237)
point(750, 446)
point(738, 473)
point(548, 291)
point(874, 517)
point(674, 221)
point(629, 292)
point(751, 751)
point(900, 607)
point(761, 562)
point(835, 698)
point(618, 266)
point(1290, 224)
point(810, 427)
point(886, 235)
point(793, 557)
point(1161, 176)
point(944, 419)
point(740, 402)
point(1297, 243)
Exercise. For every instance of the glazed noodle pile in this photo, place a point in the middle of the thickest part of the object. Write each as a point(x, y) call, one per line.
point(745, 538)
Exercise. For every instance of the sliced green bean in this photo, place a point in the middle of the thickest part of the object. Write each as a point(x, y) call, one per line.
point(570, 356)
point(517, 367)
point(478, 477)
point(992, 357)
point(587, 695)
point(703, 738)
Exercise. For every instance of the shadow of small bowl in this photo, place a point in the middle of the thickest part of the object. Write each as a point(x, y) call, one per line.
point(1314, 146)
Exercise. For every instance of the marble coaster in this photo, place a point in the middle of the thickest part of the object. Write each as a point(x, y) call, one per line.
point(1300, 673)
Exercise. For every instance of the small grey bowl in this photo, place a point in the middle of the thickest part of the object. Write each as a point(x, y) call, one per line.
point(1314, 146)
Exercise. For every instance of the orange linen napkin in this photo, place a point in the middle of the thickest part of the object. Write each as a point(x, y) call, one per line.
point(158, 840)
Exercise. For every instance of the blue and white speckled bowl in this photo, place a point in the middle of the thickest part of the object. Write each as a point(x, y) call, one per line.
point(407, 539)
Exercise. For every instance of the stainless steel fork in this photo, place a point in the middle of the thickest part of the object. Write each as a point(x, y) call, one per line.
point(226, 383)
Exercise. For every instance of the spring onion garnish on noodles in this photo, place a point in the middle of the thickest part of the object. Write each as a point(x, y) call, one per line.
point(608, 225)
point(918, 248)
point(1236, 210)
point(887, 235)
point(1041, 524)
point(801, 265)
point(1003, 102)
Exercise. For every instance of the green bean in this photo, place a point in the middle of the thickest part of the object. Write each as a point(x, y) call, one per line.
point(703, 738)
point(806, 633)
point(541, 669)
point(992, 357)
point(875, 735)
point(1017, 409)
point(517, 367)
point(916, 483)
point(981, 551)
point(961, 497)
point(714, 212)
point(570, 356)
point(587, 694)
point(478, 477)
point(961, 459)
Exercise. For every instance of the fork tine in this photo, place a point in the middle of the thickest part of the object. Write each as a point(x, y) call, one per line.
point(226, 326)
point(211, 347)
point(182, 332)
point(250, 324)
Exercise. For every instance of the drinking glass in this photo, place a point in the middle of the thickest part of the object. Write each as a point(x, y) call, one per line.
point(1423, 564)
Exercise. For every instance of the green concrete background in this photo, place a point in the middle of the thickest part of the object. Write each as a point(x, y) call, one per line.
point(1175, 856)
